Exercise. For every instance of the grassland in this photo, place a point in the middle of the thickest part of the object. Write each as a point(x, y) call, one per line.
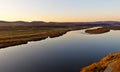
point(16, 37)
point(16, 34)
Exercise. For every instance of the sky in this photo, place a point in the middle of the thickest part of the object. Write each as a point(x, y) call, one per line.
point(60, 10)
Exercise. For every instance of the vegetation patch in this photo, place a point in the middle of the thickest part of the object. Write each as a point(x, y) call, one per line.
point(98, 30)
point(101, 66)
point(16, 34)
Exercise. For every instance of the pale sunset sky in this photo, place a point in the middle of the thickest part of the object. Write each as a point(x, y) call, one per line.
point(60, 10)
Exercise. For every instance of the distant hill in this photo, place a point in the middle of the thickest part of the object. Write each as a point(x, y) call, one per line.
point(98, 23)
point(22, 22)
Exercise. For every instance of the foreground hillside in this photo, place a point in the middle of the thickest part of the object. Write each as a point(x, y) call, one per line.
point(110, 63)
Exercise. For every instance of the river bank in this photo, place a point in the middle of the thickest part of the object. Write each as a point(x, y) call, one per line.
point(110, 63)
point(11, 35)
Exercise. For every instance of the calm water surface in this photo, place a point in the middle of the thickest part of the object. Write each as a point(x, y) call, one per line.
point(67, 53)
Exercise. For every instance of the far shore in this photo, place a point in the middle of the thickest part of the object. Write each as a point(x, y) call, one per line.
point(16, 34)
point(19, 32)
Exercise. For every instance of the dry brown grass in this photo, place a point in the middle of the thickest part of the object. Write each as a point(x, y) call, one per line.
point(98, 30)
point(116, 66)
point(15, 34)
point(10, 38)
point(100, 66)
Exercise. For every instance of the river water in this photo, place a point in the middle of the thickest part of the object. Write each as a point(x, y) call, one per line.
point(67, 53)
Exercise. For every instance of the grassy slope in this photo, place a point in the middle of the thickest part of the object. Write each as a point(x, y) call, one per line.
point(101, 66)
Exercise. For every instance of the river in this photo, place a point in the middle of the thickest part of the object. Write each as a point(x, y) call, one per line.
point(67, 53)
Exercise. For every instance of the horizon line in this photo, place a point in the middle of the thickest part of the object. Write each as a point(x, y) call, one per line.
point(60, 21)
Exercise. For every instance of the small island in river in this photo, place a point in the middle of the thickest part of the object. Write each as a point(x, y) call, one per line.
point(98, 30)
